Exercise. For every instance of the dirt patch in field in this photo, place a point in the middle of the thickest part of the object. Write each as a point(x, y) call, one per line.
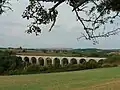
point(113, 84)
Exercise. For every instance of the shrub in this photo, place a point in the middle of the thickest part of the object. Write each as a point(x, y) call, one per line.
point(83, 66)
point(113, 59)
point(114, 65)
point(106, 65)
point(1, 69)
point(33, 69)
point(73, 67)
point(43, 68)
point(91, 64)
point(109, 65)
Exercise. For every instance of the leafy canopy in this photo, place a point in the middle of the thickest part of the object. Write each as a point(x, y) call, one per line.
point(97, 13)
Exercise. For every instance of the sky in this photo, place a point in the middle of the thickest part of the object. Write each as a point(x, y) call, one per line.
point(63, 35)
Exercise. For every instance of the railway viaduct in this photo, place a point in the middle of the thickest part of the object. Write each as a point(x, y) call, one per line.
point(46, 60)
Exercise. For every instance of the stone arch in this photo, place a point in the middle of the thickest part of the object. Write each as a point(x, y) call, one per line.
point(48, 61)
point(92, 64)
point(64, 61)
point(26, 59)
point(92, 60)
point(56, 62)
point(34, 60)
point(41, 61)
point(101, 61)
point(81, 61)
point(73, 61)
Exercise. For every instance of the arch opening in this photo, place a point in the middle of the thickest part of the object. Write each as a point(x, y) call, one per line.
point(56, 62)
point(41, 61)
point(92, 60)
point(82, 61)
point(34, 60)
point(101, 61)
point(92, 64)
point(73, 61)
point(48, 61)
point(64, 61)
point(26, 59)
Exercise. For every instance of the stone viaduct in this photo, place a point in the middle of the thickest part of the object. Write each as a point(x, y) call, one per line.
point(47, 60)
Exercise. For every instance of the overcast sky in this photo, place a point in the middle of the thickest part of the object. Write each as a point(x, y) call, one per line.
point(64, 34)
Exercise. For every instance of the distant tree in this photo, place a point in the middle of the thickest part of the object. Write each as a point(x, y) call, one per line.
point(23, 50)
point(94, 54)
point(57, 51)
point(44, 50)
point(20, 48)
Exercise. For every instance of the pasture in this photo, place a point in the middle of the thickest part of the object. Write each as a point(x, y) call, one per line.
point(97, 79)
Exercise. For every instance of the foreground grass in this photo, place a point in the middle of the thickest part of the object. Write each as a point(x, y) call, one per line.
point(77, 80)
point(106, 85)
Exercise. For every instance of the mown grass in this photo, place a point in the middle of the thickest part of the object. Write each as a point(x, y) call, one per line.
point(76, 80)
point(113, 84)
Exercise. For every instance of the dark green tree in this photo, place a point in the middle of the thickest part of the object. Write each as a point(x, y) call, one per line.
point(4, 6)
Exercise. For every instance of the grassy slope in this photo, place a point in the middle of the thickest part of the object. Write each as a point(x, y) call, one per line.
point(113, 84)
point(59, 81)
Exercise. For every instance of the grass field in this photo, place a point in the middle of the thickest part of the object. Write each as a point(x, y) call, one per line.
point(97, 79)
point(47, 54)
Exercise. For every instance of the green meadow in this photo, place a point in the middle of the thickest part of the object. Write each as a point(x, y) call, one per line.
point(76, 80)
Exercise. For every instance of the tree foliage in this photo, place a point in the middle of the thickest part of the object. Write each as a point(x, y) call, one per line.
point(4, 6)
point(9, 62)
point(92, 14)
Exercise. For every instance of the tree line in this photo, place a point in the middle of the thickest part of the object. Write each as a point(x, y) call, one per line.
point(12, 65)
